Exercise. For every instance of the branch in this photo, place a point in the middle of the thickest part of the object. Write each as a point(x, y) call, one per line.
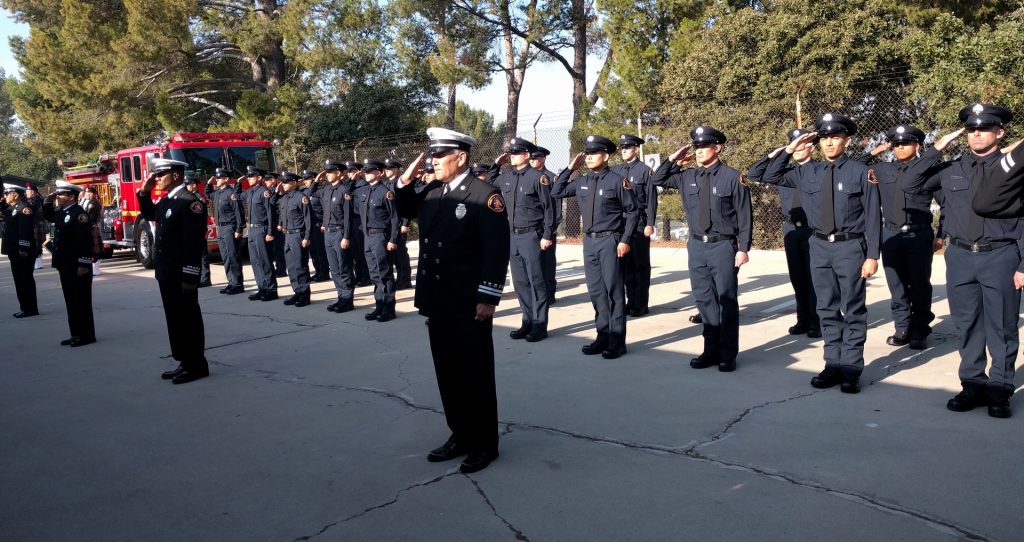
point(224, 4)
point(200, 93)
point(217, 82)
point(602, 78)
point(223, 108)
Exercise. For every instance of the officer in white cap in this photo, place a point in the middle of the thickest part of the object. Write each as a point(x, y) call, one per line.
point(180, 240)
point(20, 245)
point(73, 255)
point(463, 260)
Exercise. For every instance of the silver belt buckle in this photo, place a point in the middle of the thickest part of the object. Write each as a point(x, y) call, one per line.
point(975, 247)
point(704, 238)
point(831, 238)
point(905, 228)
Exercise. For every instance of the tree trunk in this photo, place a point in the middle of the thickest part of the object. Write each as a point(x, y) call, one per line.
point(449, 119)
point(579, 64)
point(514, 74)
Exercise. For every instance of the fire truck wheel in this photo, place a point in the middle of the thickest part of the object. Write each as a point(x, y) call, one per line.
point(144, 245)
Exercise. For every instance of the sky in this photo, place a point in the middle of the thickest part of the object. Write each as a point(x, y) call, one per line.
point(9, 28)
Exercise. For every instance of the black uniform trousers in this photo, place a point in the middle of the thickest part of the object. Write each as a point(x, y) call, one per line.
point(528, 276)
point(261, 260)
point(78, 301)
point(798, 259)
point(907, 261)
point(403, 264)
point(230, 254)
point(184, 326)
point(637, 266)
point(713, 278)
point(340, 262)
point(463, 353)
point(24, 283)
point(603, 270)
point(378, 261)
point(360, 270)
point(277, 251)
point(842, 308)
point(549, 261)
point(297, 260)
point(985, 307)
point(318, 253)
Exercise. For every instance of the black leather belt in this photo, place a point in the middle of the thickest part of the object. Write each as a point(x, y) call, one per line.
point(908, 227)
point(835, 237)
point(257, 225)
point(520, 231)
point(712, 238)
point(232, 224)
point(296, 230)
point(332, 229)
point(376, 230)
point(979, 247)
point(595, 235)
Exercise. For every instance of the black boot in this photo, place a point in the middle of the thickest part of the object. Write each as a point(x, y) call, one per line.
point(372, 315)
point(537, 333)
point(521, 332)
point(303, 300)
point(257, 296)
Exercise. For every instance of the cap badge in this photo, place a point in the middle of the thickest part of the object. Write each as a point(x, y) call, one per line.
point(900, 130)
point(699, 131)
point(977, 109)
point(827, 117)
point(590, 139)
point(796, 133)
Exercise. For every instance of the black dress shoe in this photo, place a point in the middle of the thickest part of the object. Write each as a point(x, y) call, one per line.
point(966, 400)
point(204, 284)
point(536, 334)
point(82, 342)
point(850, 385)
point(344, 307)
point(639, 313)
point(552, 300)
point(303, 301)
point(614, 352)
point(696, 319)
point(282, 273)
point(999, 408)
point(918, 343)
point(372, 315)
point(799, 329)
point(827, 378)
point(477, 461)
point(519, 333)
point(269, 296)
point(704, 361)
point(257, 296)
point(24, 314)
point(332, 306)
point(321, 278)
point(814, 333)
point(172, 373)
point(363, 284)
point(68, 341)
point(233, 290)
point(223, 290)
point(187, 376)
point(404, 286)
point(291, 300)
point(727, 366)
point(898, 339)
point(448, 451)
point(595, 348)
point(386, 316)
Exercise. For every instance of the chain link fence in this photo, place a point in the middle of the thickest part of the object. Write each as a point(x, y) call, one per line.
point(875, 113)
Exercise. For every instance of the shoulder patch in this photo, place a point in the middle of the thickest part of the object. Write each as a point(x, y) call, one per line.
point(871, 176)
point(197, 207)
point(233, 197)
point(743, 180)
point(26, 210)
point(626, 184)
point(496, 203)
point(83, 218)
point(544, 180)
point(348, 196)
point(390, 195)
point(266, 193)
point(305, 200)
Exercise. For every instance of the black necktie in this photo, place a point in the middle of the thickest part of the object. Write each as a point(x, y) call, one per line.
point(588, 221)
point(975, 223)
point(284, 219)
point(705, 203)
point(366, 208)
point(515, 193)
point(447, 188)
point(828, 214)
point(900, 199)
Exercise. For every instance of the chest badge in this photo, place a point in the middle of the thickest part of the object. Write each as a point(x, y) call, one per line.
point(600, 192)
point(168, 214)
point(839, 187)
point(67, 218)
point(460, 211)
point(714, 190)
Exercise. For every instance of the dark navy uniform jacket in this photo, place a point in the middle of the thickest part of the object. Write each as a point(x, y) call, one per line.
point(19, 230)
point(315, 192)
point(857, 208)
point(392, 185)
point(639, 175)
point(227, 207)
point(72, 236)
point(731, 213)
point(180, 234)
point(377, 210)
point(337, 205)
point(951, 184)
point(296, 213)
point(527, 192)
point(1001, 194)
point(260, 204)
point(899, 207)
point(609, 194)
point(789, 198)
point(464, 245)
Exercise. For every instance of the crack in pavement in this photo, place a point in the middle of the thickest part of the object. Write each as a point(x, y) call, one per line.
point(264, 316)
point(518, 534)
point(691, 452)
point(385, 504)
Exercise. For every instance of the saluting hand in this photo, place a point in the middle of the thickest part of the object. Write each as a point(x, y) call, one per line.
point(869, 268)
point(148, 185)
point(577, 161)
point(502, 159)
point(1009, 149)
point(804, 139)
point(880, 149)
point(946, 140)
point(410, 172)
point(681, 154)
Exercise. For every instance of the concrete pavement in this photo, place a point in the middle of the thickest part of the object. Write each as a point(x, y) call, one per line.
point(315, 426)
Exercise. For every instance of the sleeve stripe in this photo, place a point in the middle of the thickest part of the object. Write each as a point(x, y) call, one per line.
point(490, 291)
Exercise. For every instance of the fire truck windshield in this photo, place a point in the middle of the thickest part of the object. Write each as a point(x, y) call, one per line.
point(261, 157)
point(201, 162)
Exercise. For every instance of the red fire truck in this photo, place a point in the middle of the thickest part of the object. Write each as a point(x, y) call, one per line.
point(119, 175)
